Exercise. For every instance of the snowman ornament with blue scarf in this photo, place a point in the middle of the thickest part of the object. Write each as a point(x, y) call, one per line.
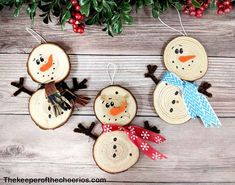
point(177, 98)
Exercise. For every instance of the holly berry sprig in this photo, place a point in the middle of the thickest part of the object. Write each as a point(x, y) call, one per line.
point(76, 19)
point(224, 6)
point(198, 7)
point(195, 10)
point(111, 14)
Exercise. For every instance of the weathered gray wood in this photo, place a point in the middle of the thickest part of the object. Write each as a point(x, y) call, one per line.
point(195, 154)
point(146, 36)
point(140, 183)
point(130, 74)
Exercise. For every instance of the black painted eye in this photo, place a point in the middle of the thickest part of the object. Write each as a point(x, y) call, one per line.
point(181, 50)
point(176, 51)
point(107, 105)
point(42, 59)
point(38, 62)
point(112, 104)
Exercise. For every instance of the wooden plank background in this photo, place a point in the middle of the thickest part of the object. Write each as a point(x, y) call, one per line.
point(196, 155)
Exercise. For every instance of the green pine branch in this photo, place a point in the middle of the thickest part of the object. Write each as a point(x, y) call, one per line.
point(110, 13)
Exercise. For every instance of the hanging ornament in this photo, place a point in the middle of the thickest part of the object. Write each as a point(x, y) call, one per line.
point(176, 98)
point(52, 104)
point(117, 148)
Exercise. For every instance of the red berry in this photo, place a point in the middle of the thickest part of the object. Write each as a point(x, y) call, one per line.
point(186, 11)
point(75, 26)
point(192, 13)
point(226, 2)
point(75, 30)
point(205, 5)
point(220, 11)
point(220, 6)
point(227, 10)
point(71, 21)
point(77, 8)
point(202, 8)
point(191, 8)
point(78, 16)
point(74, 2)
point(199, 15)
point(198, 11)
point(80, 29)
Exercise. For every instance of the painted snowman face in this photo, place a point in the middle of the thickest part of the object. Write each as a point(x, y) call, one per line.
point(48, 62)
point(114, 152)
point(116, 105)
point(42, 113)
point(186, 57)
point(169, 104)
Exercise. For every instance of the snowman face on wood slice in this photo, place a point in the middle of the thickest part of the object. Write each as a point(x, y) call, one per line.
point(186, 57)
point(113, 152)
point(169, 104)
point(115, 105)
point(42, 111)
point(48, 62)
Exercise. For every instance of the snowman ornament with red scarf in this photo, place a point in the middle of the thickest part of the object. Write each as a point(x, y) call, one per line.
point(176, 98)
point(118, 147)
point(52, 104)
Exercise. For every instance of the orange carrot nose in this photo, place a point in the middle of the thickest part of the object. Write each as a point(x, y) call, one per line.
point(186, 58)
point(48, 65)
point(117, 110)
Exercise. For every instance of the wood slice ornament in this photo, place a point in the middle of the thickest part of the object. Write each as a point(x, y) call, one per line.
point(186, 57)
point(169, 104)
point(42, 113)
point(115, 104)
point(48, 62)
point(118, 147)
point(113, 152)
point(176, 98)
point(52, 104)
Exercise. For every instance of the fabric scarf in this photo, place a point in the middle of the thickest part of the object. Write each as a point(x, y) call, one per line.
point(138, 135)
point(196, 103)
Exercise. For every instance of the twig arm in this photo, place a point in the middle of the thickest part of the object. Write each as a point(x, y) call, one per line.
point(21, 88)
point(150, 73)
point(151, 128)
point(77, 86)
point(203, 89)
point(86, 131)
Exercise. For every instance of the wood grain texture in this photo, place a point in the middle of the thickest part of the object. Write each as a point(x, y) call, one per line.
point(130, 74)
point(197, 156)
point(194, 153)
point(146, 36)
